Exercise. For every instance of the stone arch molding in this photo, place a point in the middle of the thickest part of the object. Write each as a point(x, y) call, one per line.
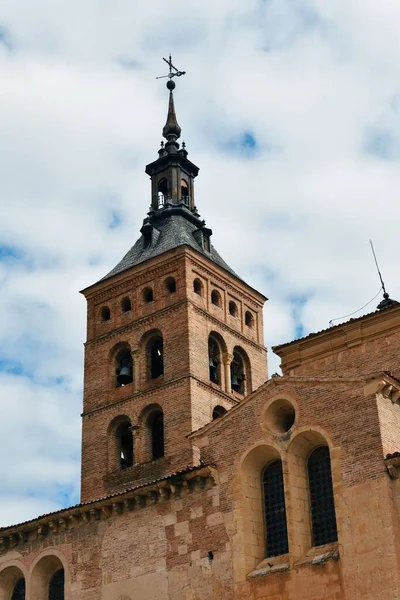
point(10, 573)
point(42, 568)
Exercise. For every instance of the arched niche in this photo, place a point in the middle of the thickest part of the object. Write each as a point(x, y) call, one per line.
point(42, 573)
point(10, 576)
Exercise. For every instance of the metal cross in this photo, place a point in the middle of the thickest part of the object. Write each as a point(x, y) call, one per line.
point(171, 73)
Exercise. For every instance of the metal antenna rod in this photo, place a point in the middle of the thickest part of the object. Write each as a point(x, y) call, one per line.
point(377, 266)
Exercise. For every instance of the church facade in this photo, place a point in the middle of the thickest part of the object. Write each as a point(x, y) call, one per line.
point(202, 478)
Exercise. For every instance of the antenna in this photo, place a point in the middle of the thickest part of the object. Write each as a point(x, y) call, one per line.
point(171, 66)
point(377, 267)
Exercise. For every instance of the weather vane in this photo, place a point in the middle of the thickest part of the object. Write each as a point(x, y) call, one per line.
point(173, 71)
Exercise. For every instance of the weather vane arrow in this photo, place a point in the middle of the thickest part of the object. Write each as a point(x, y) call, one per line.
point(173, 71)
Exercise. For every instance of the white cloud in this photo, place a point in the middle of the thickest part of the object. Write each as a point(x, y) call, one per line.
point(316, 84)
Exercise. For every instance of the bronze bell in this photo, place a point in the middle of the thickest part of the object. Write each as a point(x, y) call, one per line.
point(125, 376)
point(235, 383)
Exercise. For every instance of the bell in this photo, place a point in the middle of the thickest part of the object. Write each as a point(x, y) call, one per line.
point(125, 376)
point(235, 383)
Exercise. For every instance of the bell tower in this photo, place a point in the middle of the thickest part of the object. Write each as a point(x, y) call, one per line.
point(174, 337)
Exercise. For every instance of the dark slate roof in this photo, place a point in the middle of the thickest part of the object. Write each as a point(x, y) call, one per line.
point(174, 229)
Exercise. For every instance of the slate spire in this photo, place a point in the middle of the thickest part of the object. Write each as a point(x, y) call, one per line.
point(171, 130)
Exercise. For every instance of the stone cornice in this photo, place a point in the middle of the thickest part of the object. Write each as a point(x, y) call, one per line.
point(193, 479)
point(227, 328)
point(104, 337)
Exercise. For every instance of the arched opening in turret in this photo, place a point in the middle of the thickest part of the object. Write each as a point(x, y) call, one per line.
point(162, 192)
point(125, 444)
point(185, 192)
point(155, 357)
point(170, 285)
point(105, 313)
point(124, 368)
point(126, 305)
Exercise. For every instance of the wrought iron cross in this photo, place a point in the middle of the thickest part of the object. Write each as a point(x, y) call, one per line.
point(173, 71)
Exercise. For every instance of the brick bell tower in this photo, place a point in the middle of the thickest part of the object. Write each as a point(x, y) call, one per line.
point(174, 338)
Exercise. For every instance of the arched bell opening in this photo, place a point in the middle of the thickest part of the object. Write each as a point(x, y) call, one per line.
point(248, 319)
point(125, 447)
point(238, 372)
point(162, 192)
point(185, 192)
point(170, 285)
point(156, 427)
point(214, 360)
point(124, 368)
point(155, 357)
point(216, 298)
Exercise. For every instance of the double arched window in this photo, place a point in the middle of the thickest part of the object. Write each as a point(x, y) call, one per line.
point(321, 503)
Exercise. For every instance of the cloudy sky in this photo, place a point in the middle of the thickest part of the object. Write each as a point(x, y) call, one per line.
point(289, 107)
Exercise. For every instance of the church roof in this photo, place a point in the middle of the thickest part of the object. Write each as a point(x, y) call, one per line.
point(178, 227)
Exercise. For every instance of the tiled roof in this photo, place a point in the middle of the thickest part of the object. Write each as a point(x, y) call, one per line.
point(170, 232)
point(188, 469)
point(311, 335)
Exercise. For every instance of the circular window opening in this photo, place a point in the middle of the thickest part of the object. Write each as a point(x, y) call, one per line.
point(280, 416)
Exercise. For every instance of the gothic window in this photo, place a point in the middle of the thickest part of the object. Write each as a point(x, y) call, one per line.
point(105, 313)
point(214, 360)
point(198, 287)
point(323, 516)
point(275, 510)
point(233, 310)
point(248, 319)
point(156, 426)
point(170, 285)
point(215, 298)
point(148, 294)
point(19, 590)
point(124, 368)
point(155, 357)
point(56, 586)
point(237, 373)
point(162, 192)
point(184, 191)
point(126, 305)
point(125, 444)
point(218, 412)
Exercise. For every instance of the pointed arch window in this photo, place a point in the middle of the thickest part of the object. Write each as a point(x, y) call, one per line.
point(56, 586)
point(323, 515)
point(19, 590)
point(275, 510)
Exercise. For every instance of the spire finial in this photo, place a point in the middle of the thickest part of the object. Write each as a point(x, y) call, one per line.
point(171, 130)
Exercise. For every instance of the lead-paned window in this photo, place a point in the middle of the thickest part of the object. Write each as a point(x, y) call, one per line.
point(275, 510)
point(323, 516)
